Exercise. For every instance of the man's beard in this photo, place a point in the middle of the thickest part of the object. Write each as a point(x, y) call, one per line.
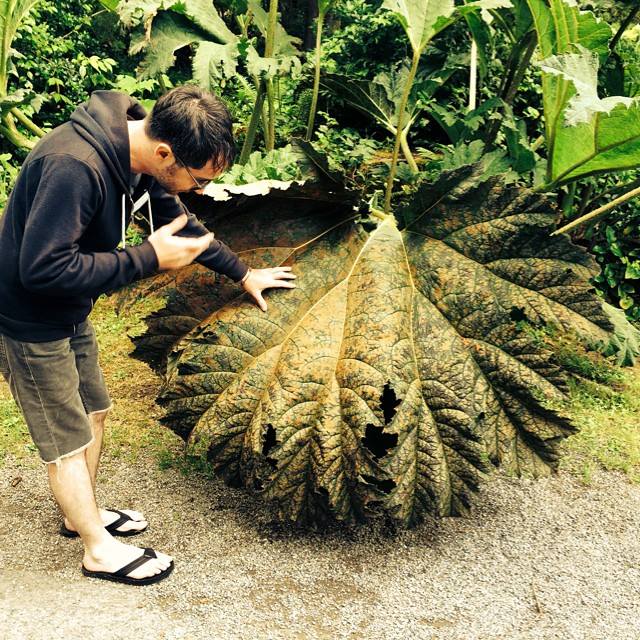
point(167, 181)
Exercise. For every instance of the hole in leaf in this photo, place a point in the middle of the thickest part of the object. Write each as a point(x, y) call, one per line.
point(388, 403)
point(270, 441)
point(384, 485)
point(377, 441)
point(481, 416)
point(517, 314)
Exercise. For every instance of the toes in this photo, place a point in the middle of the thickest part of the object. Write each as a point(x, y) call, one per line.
point(133, 525)
point(136, 515)
point(149, 569)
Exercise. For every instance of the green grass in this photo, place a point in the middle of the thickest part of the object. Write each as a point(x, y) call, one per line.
point(14, 436)
point(609, 420)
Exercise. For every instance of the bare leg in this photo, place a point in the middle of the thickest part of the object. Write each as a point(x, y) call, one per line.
point(71, 485)
point(92, 456)
point(94, 450)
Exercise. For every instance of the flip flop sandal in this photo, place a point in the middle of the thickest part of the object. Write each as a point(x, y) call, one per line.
point(111, 528)
point(121, 575)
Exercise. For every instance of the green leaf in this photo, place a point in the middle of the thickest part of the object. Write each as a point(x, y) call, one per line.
point(271, 67)
point(111, 5)
point(624, 342)
point(213, 61)
point(169, 33)
point(561, 26)
point(284, 45)
point(626, 302)
point(16, 99)
point(421, 19)
point(632, 271)
point(379, 99)
point(169, 26)
point(203, 14)
point(397, 367)
point(462, 127)
point(12, 12)
point(581, 70)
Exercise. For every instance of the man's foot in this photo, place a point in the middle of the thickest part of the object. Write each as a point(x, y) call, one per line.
point(107, 561)
point(132, 522)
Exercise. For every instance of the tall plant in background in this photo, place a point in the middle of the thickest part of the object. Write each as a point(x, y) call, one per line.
point(585, 134)
point(161, 28)
point(11, 15)
point(323, 8)
point(422, 20)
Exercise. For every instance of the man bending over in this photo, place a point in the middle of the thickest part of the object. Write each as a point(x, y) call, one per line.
point(62, 244)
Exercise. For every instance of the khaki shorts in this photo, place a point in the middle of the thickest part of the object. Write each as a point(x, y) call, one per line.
point(57, 385)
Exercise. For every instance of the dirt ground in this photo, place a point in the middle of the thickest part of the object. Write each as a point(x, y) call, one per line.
point(535, 559)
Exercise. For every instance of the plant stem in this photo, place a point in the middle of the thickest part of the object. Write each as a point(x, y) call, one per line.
point(316, 80)
point(270, 132)
point(396, 147)
point(253, 125)
point(9, 131)
point(27, 122)
point(516, 68)
point(585, 197)
point(537, 143)
point(599, 212)
point(473, 75)
point(406, 150)
point(623, 27)
point(498, 18)
point(568, 198)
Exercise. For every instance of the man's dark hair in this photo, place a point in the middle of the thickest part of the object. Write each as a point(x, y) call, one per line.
point(196, 125)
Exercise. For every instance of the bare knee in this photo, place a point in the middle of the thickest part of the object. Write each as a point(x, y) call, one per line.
point(98, 419)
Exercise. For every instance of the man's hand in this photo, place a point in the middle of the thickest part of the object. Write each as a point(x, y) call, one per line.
point(261, 279)
point(173, 251)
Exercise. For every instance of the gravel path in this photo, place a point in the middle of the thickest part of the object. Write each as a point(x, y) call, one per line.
point(545, 559)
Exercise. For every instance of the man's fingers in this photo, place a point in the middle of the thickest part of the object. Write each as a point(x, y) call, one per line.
point(176, 224)
point(283, 285)
point(204, 242)
point(260, 300)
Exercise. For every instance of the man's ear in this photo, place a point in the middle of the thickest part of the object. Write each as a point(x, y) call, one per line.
point(162, 151)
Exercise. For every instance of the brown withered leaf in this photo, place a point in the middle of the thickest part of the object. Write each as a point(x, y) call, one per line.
point(262, 235)
point(397, 369)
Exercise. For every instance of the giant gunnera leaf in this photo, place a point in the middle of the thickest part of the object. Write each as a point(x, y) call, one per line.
point(397, 373)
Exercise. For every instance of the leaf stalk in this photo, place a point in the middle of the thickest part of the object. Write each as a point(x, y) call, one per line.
point(599, 213)
point(396, 146)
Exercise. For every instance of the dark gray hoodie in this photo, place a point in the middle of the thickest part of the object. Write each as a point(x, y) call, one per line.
point(66, 216)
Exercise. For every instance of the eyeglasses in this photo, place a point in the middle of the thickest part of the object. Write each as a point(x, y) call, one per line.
point(200, 184)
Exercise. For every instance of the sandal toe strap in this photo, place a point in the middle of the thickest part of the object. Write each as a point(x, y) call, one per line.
point(147, 554)
point(120, 521)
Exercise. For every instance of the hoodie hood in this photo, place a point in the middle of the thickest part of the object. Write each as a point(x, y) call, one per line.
point(102, 121)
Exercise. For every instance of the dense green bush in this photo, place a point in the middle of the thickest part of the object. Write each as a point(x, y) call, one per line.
point(66, 49)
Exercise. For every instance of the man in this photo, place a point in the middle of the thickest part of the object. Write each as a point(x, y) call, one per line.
point(59, 238)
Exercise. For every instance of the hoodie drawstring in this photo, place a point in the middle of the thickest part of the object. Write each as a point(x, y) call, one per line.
point(133, 210)
point(124, 226)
